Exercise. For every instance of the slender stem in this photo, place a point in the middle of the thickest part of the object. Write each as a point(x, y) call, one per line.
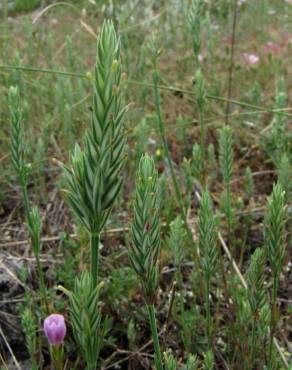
point(273, 317)
point(252, 343)
point(57, 355)
point(42, 286)
point(231, 61)
point(25, 198)
point(161, 87)
point(152, 319)
point(202, 143)
point(229, 216)
point(208, 318)
point(167, 153)
point(94, 241)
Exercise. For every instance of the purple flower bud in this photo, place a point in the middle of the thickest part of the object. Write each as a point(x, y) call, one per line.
point(55, 329)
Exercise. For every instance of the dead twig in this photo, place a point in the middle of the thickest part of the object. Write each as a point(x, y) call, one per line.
point(10, 349)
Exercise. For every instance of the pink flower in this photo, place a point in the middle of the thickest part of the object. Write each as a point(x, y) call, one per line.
point(250, 59)
point(55, 329)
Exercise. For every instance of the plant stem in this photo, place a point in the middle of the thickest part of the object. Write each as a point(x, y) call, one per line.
point(207, 303)
point(167, 153)
point(94, 242)
point(273, 317)
point(161, 87)
point(252, 343)
point(152, 319)
point(231, 61)
point(57, 354)
point(202, 143)
point(42, 286)
point(229, 211)
point(25, 198)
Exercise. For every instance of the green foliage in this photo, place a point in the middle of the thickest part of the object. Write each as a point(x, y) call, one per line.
point(275, 252)
point(17, 144)
point(176, 240)
point(29, 326)
point(26, 5)
point(209, 361)
point(52, 114)
point(208, 251)
point(256, 292)
point(275, 230)
point(285, 176)
point(255, 93)
point(70, 52)
point(34, 227)
point(197, 162)
point(86, 318)
point(189, 319)
point(145, 247)
point(93, 178)
point(200, 91)
point(211, 159)
point(170, 361)
point(207, 236)
point(22, 169)
point(192, 363)
point(195, 18)
point(278, 140)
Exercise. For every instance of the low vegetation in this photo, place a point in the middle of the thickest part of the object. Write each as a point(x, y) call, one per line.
point(145, 185)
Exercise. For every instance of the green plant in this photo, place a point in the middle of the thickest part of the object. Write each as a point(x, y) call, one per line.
point(34, 224)
point(170, 361)
point(195, 24)
point(209, 360)
point(145, 246)
point(23, 169)
point(198, 163)
point(176, 241)
point(212, 165)
point(155, 52)
point(226, 164)
point(277, 140)
point(86, 317)
point(93, 179)
point(256, 294)
point(29, 325)
point(208, 253)
point(17, 145)
point(201, 102)
point(285, 176)
point(275, 251)
point(26, 5)
point(192, 363)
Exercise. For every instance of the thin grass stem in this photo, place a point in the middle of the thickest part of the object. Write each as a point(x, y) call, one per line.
point(160, 87)
point(152, 319)
point(94, 242)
